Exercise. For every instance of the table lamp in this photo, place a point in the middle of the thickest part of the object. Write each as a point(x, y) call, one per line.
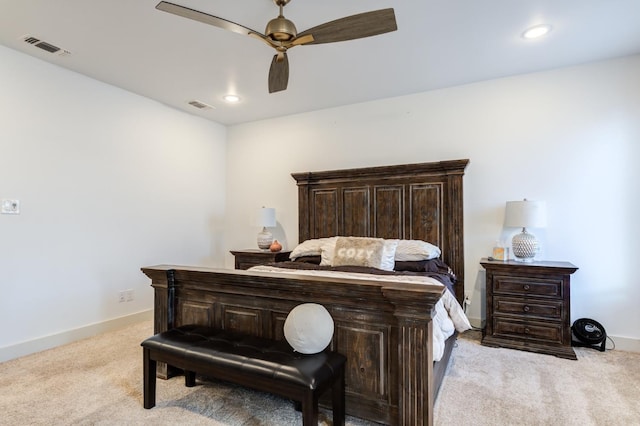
point(525, 214)
point(267, 219)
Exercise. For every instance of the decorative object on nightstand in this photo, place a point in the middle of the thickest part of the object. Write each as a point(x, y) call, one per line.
point(525, 214)
point(266, 219)
point(245, 259)
point(275, 246)
point(529, 306)
point(500, 251)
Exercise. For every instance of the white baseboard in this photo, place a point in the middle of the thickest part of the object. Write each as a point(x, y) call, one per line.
point(68, 336)
point(476, 323)
point(622, 343)
point(625, 344)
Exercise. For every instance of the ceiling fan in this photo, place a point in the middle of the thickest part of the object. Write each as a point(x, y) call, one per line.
point(281, 33)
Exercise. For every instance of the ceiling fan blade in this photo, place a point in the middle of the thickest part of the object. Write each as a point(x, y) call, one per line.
point(186, 12)
point(362, 25)
point(279, 73)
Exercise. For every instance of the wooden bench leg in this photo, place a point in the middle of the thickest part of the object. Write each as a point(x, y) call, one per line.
point(189, 378)
point(310, 409)
point(338, 399)
point(149, 379)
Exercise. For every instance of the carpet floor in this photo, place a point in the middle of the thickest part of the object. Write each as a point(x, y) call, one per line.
point(98, 381)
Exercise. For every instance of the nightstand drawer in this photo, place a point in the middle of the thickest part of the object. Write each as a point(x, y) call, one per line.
point(527, 330)
point(545, 309)
point(527, 286)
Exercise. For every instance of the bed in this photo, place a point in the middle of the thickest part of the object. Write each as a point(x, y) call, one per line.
point(383, 326)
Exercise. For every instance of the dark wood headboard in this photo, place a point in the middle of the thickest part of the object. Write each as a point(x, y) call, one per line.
point(411, 201)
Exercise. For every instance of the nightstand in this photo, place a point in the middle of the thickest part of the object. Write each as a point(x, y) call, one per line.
point(529, 306)
point(245, 259)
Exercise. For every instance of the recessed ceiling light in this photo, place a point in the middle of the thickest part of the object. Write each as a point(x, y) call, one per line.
point(537, 31)
point(231, 98)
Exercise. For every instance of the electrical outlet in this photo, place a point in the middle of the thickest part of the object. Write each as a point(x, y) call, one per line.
point(122, 297)
point(129, 295)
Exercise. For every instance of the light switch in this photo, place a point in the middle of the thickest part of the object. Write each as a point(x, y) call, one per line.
point(10, 206)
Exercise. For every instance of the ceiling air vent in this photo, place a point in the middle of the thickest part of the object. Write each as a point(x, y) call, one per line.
point(199, 104)
point(48, 47)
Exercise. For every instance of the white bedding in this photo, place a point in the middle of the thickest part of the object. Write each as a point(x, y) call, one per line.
point(449, 314)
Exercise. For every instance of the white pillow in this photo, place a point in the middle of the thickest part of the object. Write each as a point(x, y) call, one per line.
point(389, 255)
point(386, 261)
point(311, 247)
point(308, 328)
point(412, 250)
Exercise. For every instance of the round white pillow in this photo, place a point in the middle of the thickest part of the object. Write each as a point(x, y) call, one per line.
point(309, 328)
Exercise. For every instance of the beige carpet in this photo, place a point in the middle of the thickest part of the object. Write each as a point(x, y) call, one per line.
point(493, 386)
point(98, 381)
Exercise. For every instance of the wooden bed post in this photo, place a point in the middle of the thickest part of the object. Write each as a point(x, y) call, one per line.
point(171, 299)
point(454, 255)
point(415, 356)
point(163, 310)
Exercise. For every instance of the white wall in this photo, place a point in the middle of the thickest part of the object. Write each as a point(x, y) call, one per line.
point(568, 136)
point(108, 182)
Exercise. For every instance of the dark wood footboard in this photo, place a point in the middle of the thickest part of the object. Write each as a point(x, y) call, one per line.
point(383, 328)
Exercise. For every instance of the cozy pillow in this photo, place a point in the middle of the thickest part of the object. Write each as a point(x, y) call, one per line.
point(359, 251)
point(308, 328)
point(410, 250)
point(326, 253)
point(311, 247)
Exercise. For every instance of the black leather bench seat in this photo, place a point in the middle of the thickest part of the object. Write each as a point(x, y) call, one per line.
point(259, 363)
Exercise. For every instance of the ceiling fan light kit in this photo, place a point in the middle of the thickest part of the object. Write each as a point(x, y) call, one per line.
point(281, 33)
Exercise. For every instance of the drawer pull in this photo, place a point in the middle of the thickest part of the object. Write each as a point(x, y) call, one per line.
point(526, 309)
point(526, 287)
point(527, 330)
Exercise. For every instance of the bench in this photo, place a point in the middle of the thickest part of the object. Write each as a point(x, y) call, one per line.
point(255, 362)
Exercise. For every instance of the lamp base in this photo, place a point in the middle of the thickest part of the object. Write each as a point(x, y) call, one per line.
point(525, 246)
point(524, 259)
point(265, 238)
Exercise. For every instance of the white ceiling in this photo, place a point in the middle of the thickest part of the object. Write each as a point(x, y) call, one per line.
point(439, 43)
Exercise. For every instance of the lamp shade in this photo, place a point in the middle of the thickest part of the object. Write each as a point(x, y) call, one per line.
point(267, 217)
point(525, 214)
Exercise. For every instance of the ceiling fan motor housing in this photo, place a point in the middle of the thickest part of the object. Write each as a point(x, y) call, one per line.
point(280, 29)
